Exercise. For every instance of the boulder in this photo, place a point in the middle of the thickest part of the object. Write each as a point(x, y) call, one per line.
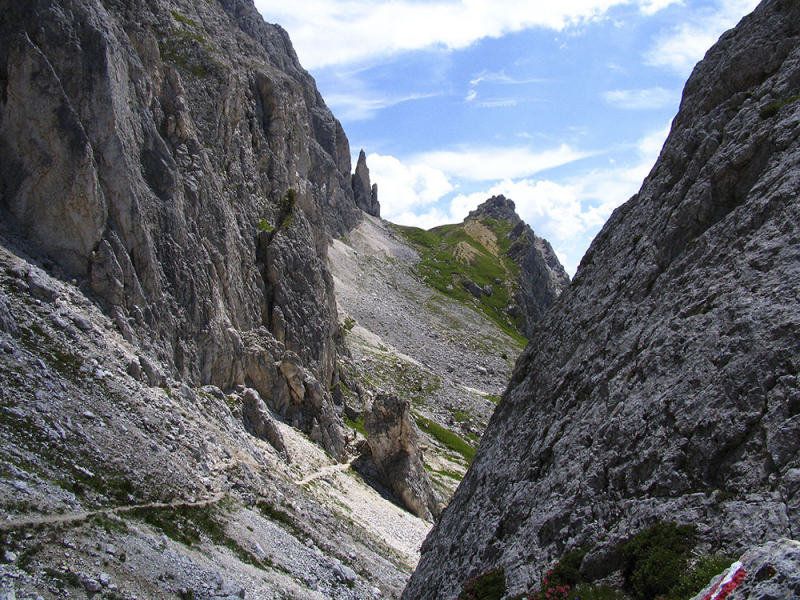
point(393, 450)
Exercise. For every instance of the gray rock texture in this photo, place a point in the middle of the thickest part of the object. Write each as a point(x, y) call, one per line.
point(366, 195)
point(178, 157)
point(769, 571)
point(663, 383)
point(393, 450)
point(541, 278)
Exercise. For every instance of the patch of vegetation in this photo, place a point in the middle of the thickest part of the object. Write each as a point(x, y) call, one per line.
point(285, 206)
point(182, 19)
point(701, 573)
point(494, 399)
point(489, 585)
point(63, 578)
point(772, 109)
point(446, 437)
point(597, 592)
point(358, 424)
point(461, 416)
point(188, 524)
point(404, 379)
point(566, 572)
point(263, 225)
point(188, 50)
point(111, 524)
point(349, 323)
point(440, 268)
point(444, 472)
point(280, 516)
point(655, 559)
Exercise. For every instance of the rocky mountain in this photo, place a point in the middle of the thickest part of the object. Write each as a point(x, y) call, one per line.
point(366, 195)
point(494, 260)
point(178, 387)
point(662, 386)
point(199, 178)
point(408, 339)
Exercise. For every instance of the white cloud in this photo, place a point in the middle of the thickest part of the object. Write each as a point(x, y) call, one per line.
point(567, 212)
point(652, 98)
point(681, 48)
point(650, 7)
point(493, 164)
point(403, 187)
point(353, 107)
point(327, 32)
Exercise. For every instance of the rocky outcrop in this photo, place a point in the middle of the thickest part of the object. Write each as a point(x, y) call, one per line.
point(541, 277)
point(179, 159)
point(769, 571)
point(393, 453)
point(663, 383)
point(258, 421)
point(366, 195)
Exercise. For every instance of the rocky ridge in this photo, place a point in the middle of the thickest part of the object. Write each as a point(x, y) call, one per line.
point(495, 260)
point(541, 277)
point(163, 490)
point(406, 338)
point(669, 388)
point(200, 178)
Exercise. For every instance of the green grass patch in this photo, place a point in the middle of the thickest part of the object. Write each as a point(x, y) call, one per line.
point(446, 437)
point(358, 424)
point(772, 109)
point(189, 524)
point(439, 267)
point(263, 225)
point(489, 585)
point(278, 515)
point(182, 19)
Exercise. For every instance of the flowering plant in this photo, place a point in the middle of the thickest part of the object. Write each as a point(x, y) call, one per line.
point(549, 591)
point(489, 585)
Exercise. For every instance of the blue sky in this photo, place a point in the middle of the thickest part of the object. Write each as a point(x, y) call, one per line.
point(561, 106)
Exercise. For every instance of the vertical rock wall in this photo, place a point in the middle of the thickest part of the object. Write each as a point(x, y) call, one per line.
point(152, 148)
point(662, 386)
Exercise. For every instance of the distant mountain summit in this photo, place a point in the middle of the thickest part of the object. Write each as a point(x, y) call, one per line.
point(663, 385)
point(494, 261)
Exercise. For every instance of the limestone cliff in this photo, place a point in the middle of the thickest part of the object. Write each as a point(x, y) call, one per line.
point(663, 383)
point(494, 262)
point(541, 277)
point(178, 158)
point(366, 194)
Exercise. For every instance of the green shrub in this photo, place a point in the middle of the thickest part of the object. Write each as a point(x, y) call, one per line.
point(566, 572)
point(489, 585)
point(699, 576)
point(655, 559)
point(447, 438)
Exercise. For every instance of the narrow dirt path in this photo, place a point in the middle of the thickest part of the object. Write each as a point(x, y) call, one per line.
point(329, 470)
point(80, 516)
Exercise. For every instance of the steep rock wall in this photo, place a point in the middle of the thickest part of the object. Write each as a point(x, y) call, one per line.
point(663, 383)
point(177, 157)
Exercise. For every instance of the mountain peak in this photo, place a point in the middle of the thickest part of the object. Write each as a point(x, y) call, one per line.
point(497, 207)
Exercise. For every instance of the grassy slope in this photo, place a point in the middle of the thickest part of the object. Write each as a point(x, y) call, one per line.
point(440, 268)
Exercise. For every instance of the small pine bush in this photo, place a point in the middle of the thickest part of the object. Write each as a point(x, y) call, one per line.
point(489, 585)
point(656, 558)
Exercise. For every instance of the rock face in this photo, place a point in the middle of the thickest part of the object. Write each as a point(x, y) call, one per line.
point(769, 571)
point(541, 278)
point(394, 452)
point(366, 195)
point(663, 383)
point(180, 159)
